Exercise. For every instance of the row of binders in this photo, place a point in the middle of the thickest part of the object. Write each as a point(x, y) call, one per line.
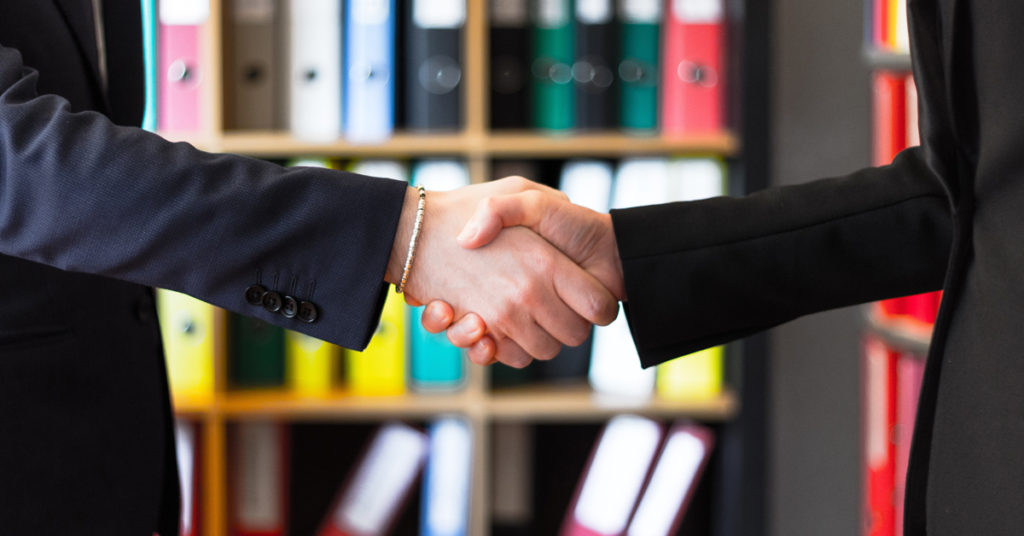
point(638, 65)
point(402, 355)
point(886, 25)
point(895, 128)
point(638, 480)
point(892, 384)
point(359, 69)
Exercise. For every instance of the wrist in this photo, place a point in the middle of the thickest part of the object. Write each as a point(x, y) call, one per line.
point(403, 234)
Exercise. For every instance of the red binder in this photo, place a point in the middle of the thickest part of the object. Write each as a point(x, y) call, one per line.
point(370, 500)
point(909, 373)
point(890, 124)
point(260, 479)
point(693, 70)
point(614, 477)
point(879, 410)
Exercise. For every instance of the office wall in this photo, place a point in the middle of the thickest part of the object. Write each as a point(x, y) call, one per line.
point(821, 120)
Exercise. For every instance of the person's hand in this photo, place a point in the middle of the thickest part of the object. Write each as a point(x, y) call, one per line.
point(584, 235)
point(531, 297)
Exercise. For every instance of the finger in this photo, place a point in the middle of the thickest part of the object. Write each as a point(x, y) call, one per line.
point(511, 354)
point(409, 300)
point(517, 183)
point(520, 326)
point(482, 353)
point(495, 213)
point(465, 332)
point(583, 293)
point(437, 316)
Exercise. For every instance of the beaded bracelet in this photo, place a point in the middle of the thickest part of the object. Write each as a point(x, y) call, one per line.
point(413, 240)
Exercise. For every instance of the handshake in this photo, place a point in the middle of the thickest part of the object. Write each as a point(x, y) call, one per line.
point(510, 268)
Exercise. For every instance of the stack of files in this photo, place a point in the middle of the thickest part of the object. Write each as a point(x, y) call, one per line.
point(434, 65)
point(187, 329)
point(371, 497)
point(693, 67)
point(447, 479)
point(312, 364)
point(314, 69)
point(256, 352)
point(186, 442)
point(510, 63)
point(887, 27)
point(434, 363)
point(639, 479)
point(259, 479)
point(253, 80)
point(181, 65)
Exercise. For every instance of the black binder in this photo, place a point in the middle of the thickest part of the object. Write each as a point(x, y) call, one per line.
point(593, 71)
point(510, 64)
point(434, 65)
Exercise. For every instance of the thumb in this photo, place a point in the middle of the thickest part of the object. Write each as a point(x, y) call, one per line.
point(495, 213)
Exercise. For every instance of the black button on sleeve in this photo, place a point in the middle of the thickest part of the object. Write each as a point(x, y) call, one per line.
point(308, 312)
point(254, 294)
point(272, 301)
point(289, 307)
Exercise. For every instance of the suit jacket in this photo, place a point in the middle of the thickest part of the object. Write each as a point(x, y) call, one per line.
point(92, 213)
point(947, 214)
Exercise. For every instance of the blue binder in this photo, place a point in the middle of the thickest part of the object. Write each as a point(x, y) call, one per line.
point(369, 94)
point(444, 508)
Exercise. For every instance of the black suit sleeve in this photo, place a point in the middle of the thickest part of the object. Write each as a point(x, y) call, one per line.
point(707, 272)
point(82, 194)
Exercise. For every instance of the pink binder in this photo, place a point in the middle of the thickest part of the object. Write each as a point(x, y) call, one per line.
point(693, 69)
point(181, 70)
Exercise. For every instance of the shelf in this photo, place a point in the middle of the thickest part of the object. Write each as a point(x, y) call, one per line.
point(523, 144)
point(575, 404)
point(534, 403)
point(887, 60)
point(904, 334)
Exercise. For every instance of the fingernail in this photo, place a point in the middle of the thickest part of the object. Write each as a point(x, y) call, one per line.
point(468, 233)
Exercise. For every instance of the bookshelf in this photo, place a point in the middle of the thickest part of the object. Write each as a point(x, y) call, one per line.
point(742, 429)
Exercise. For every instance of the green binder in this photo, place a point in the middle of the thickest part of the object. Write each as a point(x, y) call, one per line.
point(638, 69)
point(553, 92)
point(257, 353)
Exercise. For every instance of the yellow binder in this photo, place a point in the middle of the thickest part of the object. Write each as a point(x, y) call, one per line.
point(186, 326)
point(311, 364)
point(380, 369)
point(698, 375)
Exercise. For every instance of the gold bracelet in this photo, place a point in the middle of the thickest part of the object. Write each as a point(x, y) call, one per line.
point(412, 241)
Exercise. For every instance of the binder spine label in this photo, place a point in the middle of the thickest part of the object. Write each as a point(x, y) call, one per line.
point(640, 11)
point(253, 11)
point(509, 13)
point(184, 12)
point(439, 14)
point(371, 12)
point(552, 13)
point(594, 11)
point(698, 11)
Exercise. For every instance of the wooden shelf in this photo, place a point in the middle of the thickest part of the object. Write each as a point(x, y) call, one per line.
point(522, 144)
point(578, 404)
point(550, 403)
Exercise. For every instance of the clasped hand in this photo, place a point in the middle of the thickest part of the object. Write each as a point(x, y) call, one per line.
point(511, 269)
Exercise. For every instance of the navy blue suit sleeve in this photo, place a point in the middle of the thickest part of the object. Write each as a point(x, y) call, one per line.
point(707, 272)
point(82, 194)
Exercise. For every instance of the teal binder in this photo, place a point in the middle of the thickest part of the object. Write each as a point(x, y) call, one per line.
point(638, 70)
point(149, 62)
point(553, 47)
point(435, 365)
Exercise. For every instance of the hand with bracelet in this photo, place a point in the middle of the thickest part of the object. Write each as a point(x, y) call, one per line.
point(523, 292)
